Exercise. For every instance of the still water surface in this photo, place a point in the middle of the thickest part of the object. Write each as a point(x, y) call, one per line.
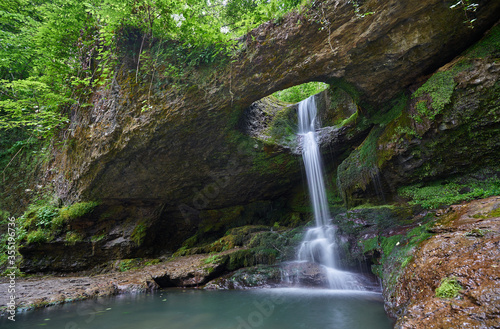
point(287, 308)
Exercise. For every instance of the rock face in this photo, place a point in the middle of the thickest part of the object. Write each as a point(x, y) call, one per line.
point(467, 248)
point(186, 141)
point(185, 157)
point(447, 126)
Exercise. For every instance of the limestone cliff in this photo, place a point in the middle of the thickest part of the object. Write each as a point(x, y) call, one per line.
point(183, 156)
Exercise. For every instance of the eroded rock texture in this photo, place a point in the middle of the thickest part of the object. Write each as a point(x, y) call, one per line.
point(466, 247)
point(187, 139)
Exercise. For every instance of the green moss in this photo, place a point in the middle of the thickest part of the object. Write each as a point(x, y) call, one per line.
point(454, 190)
point(350, 120)
point(274, 163)
point(283, 127)
point(489, 46)
point(72, 238)
point(297, 93)
point(129, 264)
point(477, 233)
point(152, 262)
point(38, 236)
point(347, 87)
point(448, 288)
point(97, 237)
point(439, 87)
point(494, 213)
point(370, 244)
point(251, 257)
point(213, 259)
point(390, 111)
point(74, 211)
point(139, 233)
point(396, 251)
point(358, 170)
point(78, 210)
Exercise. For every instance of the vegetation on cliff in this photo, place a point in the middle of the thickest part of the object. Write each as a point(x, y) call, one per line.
point(66, 52)
point(56, 52)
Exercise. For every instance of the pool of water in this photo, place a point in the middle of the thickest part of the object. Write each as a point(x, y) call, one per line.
point(287, 308)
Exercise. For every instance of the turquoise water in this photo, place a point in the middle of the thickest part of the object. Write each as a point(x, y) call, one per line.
point(286, 308)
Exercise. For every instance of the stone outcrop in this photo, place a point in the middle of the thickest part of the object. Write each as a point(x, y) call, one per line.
point(177, 149)
point(466, 247)
point(188, 161)
point(185, 139)
point(447, 126)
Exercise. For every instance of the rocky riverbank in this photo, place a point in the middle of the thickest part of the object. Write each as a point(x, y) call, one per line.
point(463, 247)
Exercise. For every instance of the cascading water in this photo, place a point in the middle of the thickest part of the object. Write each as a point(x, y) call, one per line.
point(319, 244)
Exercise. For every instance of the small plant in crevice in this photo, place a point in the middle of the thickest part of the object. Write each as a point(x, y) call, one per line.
point(357, 9)
point(72, 238)
point(477, 233)
point(139, 233)
point(213, 259)
point(129, 264)
point(468, 7)
point(448, 288)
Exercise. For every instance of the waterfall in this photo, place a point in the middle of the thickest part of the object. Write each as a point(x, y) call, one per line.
point(319, 244)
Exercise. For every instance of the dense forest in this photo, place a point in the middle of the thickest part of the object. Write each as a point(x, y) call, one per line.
point(55, 53)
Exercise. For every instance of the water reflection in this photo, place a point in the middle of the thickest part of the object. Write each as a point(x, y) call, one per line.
point(288, 308)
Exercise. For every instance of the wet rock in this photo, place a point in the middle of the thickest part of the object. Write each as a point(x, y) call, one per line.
point(186, 152)
point(306, 274)
point(445, 128)
point(252, 277)
point(466, 248)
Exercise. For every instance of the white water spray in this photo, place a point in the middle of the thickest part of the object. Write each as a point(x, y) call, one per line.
point(319, 244)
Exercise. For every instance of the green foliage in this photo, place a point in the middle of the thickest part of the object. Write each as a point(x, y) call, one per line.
point(129, 264)
point(213, 259)
point(72, 238)
point(489, 46)
point(38, 215)
point(74, 211)
point(297, 93)
point(38, 236)
point(468, 8)
point(56, 53)
point(139, 233)
point(455, 190)
point(440, 88)
point(448, 288)
point(21, 157)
